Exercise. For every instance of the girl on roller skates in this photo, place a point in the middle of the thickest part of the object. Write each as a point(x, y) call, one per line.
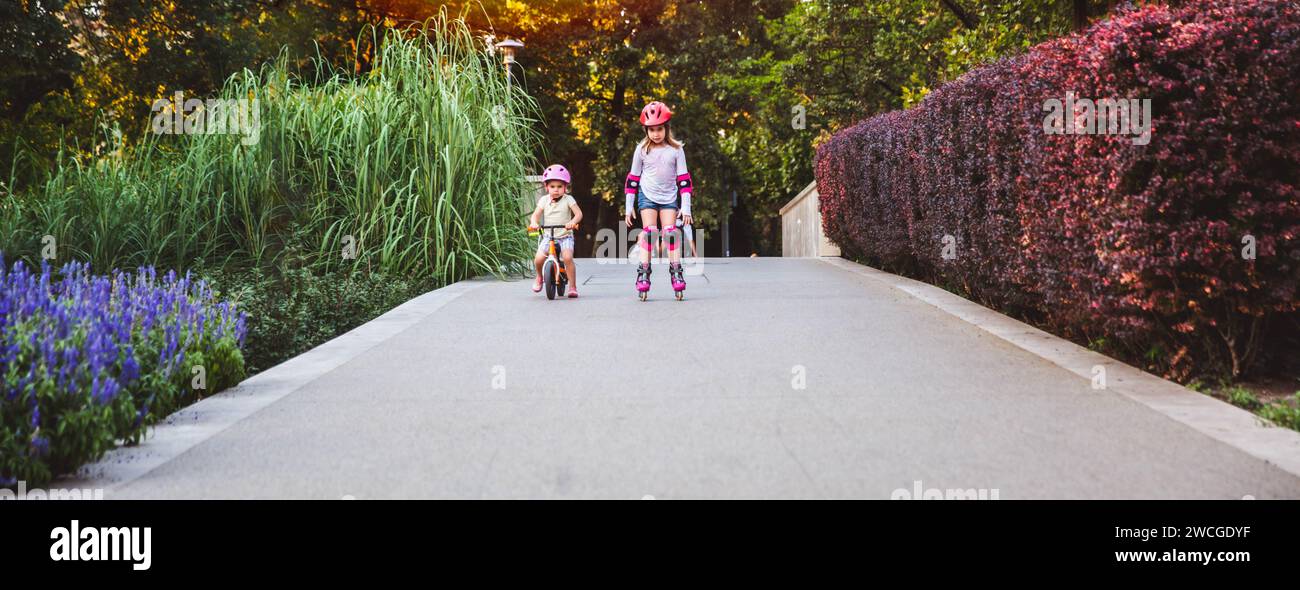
point(659, 185)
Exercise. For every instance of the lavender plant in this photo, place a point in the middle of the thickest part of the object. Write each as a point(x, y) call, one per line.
point(88, 361)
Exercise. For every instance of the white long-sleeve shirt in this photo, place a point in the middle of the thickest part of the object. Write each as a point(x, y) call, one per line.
point(659, 173)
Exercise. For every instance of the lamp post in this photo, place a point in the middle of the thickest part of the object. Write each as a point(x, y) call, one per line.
point(726, 226)
point(508, 49)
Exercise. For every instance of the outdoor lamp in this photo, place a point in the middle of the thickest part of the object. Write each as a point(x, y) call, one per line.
point(508, 48)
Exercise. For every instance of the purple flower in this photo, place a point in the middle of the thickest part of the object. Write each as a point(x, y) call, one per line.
point(86, 338)
point(40, 446)
point(130, 369)
point(103, 391)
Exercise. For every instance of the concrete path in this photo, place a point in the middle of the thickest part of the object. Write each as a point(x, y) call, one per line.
point(776, 378)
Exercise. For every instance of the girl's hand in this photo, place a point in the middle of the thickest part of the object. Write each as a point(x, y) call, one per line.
point(628, 218)
point(569, 226)
point(686, 219)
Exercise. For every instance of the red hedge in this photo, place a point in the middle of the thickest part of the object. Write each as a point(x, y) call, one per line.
point(1136, 247)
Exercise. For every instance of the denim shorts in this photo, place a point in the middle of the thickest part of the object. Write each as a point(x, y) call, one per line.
point(643, 202)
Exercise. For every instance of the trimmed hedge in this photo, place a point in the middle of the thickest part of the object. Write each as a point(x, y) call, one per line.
point(1136, 249)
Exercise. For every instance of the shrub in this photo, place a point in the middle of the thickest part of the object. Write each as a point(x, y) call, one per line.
point(1092, 236)
point(88, 360)
point(293, 310)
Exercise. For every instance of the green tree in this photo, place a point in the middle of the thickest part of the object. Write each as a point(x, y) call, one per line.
point(740, 74)
point(39, 69)
point(839, 62)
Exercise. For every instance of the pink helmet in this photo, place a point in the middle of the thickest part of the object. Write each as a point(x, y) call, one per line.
point(655, 113)
point(556, 172)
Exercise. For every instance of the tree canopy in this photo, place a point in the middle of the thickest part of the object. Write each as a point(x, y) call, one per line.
point(754, 84)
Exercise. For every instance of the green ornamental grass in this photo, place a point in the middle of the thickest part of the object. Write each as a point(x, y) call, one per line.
point(413, 165)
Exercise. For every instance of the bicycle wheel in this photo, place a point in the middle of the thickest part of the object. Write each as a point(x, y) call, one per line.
point(548, 275)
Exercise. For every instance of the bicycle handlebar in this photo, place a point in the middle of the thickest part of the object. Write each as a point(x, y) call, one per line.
point(546, 227)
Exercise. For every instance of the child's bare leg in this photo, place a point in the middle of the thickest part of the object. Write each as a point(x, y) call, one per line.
point(570, 269)
point(537, 263)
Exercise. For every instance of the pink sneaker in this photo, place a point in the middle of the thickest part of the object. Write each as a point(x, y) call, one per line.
point(537, 285)
point(573, 292)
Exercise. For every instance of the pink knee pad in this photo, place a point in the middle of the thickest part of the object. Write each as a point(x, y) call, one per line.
point(671, 236)
point(647, 234)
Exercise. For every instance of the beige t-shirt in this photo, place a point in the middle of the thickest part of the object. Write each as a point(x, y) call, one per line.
point(557, 212)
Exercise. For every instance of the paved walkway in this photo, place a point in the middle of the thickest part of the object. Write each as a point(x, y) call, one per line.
point(500, 393)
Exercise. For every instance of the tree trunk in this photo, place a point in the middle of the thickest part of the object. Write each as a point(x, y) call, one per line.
point(967, 19)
